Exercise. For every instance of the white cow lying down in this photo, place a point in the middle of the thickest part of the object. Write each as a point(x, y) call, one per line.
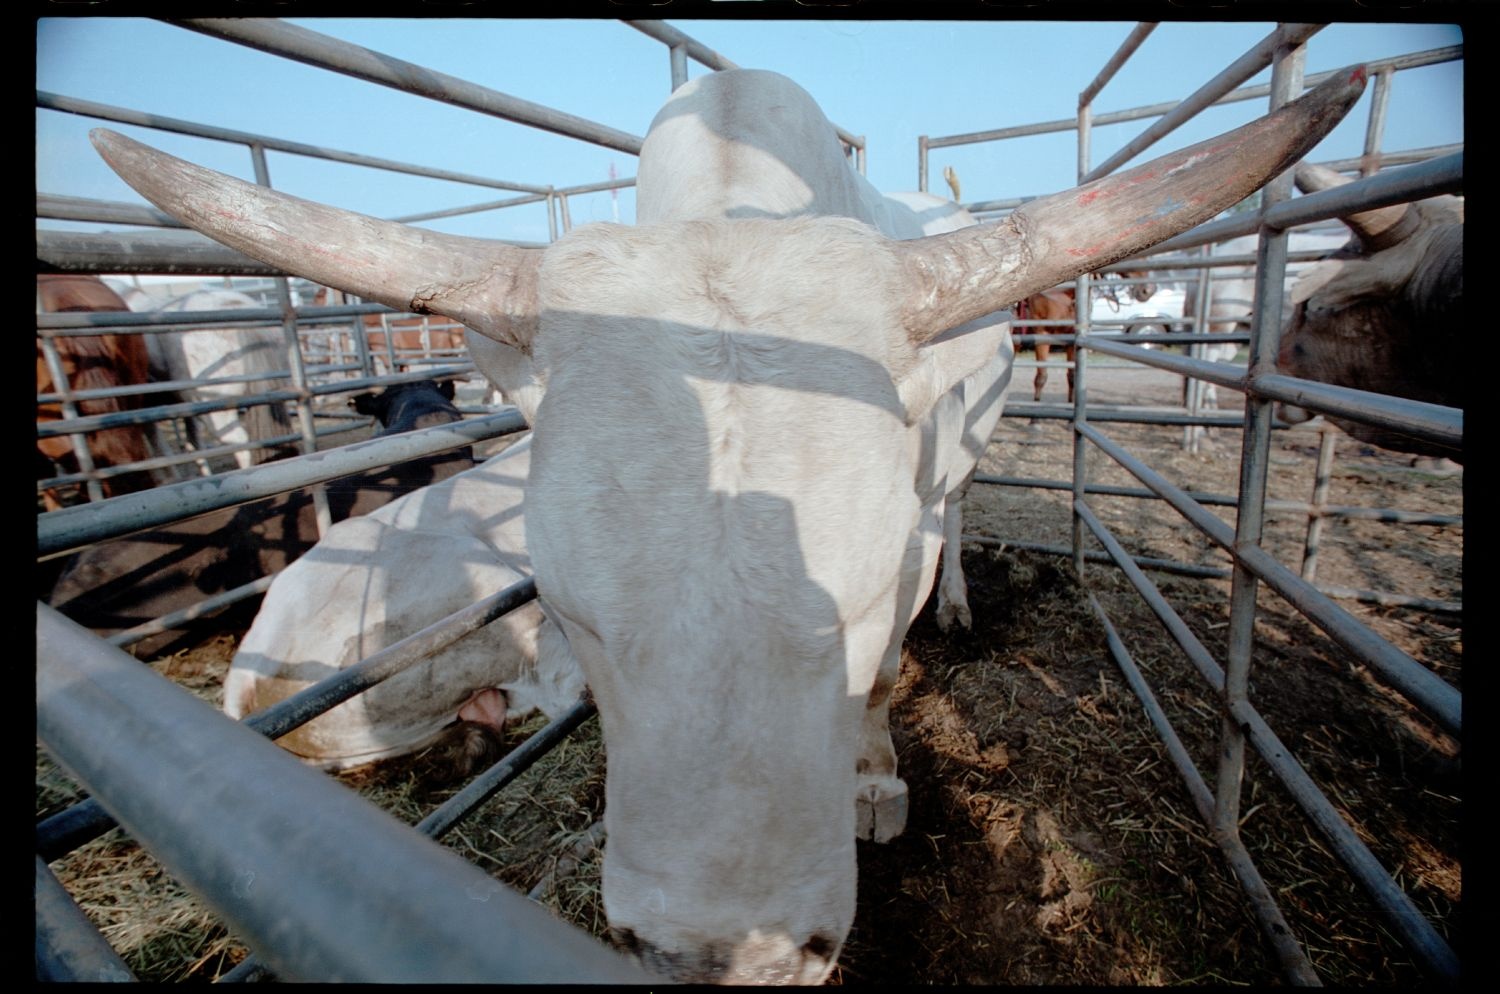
point(373, 580)
point(741, 465)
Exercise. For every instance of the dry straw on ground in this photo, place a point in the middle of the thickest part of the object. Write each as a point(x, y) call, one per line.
point(1050, 839)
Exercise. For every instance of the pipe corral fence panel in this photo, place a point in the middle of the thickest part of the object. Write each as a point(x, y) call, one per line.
point(138, 744)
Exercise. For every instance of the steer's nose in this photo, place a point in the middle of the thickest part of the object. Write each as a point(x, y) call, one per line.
point(755, 960)
point(1292, 414)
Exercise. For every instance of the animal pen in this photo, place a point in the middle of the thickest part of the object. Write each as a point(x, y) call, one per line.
point(281, 867)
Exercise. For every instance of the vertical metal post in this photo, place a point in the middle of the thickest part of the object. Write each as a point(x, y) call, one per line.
point(678, 56)
point(1375, 131)
point(308, 443)
point(1085, 135)
point(1321, 479)
point(859, 156)
point(1192, 434)
point(551, 216)
point(1082, 292)
point(1083, 301)
point(70, 411)
point(1265, 330)
point(567, 217)
point(922, 163)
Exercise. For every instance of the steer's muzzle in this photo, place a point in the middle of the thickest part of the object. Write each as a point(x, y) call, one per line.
point(757, 960)
point(1292, 414)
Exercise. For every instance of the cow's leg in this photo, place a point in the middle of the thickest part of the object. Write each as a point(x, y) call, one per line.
point(880, 796)
point(953, 589)
point(1043, 350)
point(1072, 356)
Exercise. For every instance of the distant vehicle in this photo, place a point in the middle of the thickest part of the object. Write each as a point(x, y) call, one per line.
point(1161, 312)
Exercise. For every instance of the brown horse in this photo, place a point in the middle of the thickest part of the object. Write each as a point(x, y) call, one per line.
point(91, 362)
point(1057, 304)
point(1060, 304)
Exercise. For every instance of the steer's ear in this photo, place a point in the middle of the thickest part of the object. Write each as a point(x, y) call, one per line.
point(949, 359)
point(488, 285)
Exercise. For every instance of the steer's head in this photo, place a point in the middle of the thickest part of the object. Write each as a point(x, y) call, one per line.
point(1382, 314)
point(722, 497)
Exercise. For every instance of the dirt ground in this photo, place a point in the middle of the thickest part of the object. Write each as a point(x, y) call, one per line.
point(1051, 840)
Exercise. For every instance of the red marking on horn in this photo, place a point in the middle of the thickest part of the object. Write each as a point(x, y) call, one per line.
point(1358, 75)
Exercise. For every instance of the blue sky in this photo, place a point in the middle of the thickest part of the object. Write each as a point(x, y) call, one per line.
point(888, 80)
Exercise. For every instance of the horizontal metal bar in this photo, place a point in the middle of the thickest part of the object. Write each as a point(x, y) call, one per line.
point(122, 115)
point(57, 207)
point(1430, 422)
point(147, 252)
point(1222, 373)
point(177, 619)
point(1401, 158)
point(325, 52)
point(1389, 186)
point(1164, 565)
point(74, 527)
point(1132, 41)
point(166, 253)
point(1298, 970)
point(147, 415)
point(1415, 928)
point(600, 187)
point(1386, 599)
point(1421, 686)
point(1247, 65)
point(671, 37)
point(489, 205)
point(1122, 415)
point(341, 890)
point(1394, 515)
point(301, 707)
point(1432, 952)
point(87, 820)
point(478, 790)
point(1223, 573)
point(1397, 184)
point(484, 786)
point(69, 949)
point(1414, 60)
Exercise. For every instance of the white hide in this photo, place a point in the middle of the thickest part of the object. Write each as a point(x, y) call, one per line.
point(736, 506)
point(748, 422)
point(206, 353)
point(375, 579)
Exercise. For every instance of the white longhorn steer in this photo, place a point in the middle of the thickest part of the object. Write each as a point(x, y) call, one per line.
point(377, 578)
point(727, 512)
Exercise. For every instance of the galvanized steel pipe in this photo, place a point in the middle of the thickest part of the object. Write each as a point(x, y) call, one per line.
point(325, 52)
point(1283, 940)
point(121, 115)
point(69, 949)
point(74, 527)
point(1423, 687)
point(325, 885)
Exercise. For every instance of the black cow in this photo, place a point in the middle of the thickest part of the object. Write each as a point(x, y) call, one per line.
point(131, 580)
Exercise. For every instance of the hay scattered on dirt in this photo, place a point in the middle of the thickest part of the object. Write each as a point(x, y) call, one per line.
point(1050, 840)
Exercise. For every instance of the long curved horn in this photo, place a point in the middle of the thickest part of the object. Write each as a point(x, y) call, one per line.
point(1377, 229)
point(489, 286)
point(961, 275)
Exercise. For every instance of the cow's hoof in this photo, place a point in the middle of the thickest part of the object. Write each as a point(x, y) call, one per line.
point(880, 810)
point(950, 611)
